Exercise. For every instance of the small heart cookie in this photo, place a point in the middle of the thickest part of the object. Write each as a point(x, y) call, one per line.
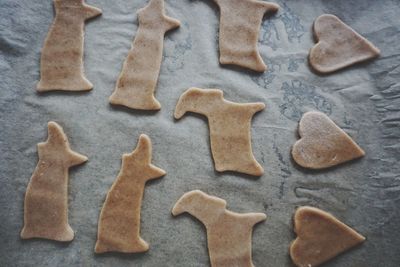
point(338, 46)
point(322, 143)
point(320, 237)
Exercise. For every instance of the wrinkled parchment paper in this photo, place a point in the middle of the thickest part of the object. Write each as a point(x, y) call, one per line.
point(364, 100)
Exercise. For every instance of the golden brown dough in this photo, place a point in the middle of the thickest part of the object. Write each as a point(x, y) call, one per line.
point(228, 233)
point(320, 237)
point(238, 32)
point(229, 125)
point(46, 198)
point(119, 223)
point(322, 143)
point(338, 46)
point(138, 79)
point(61, 63)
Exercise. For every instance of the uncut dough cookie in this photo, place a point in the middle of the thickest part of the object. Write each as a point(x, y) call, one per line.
point(46, 198)
point(139, 75)
point(228, 233)
point(119, 223)
point(61, 62)
point(320, 237)
point(338, 46)
point(229, 125)
point(240, 23)
point(322, 143)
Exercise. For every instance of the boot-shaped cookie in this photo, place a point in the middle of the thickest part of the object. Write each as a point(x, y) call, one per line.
point(322, 143)
point(119, 223)
point(138, 79)
point(61, 63)
point(229, 125)
point(320, 237)
point(240, 23)
point(228, 233)
point(338, 46)
point(46, 198)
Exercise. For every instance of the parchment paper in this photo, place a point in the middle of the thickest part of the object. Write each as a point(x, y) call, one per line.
point(364, 100)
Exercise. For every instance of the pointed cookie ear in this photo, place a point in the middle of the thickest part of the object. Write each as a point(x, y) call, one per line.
point(56, 134)
point(91, 12)
point(76, 158)
point(143, 149)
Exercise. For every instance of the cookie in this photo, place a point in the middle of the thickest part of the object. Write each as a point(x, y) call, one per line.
point(320, 237)
point(46, 198)
point(322, 143)
point(240, 22)
point(138, 79)
point(228, 233)
point(61, 62)
point(339, 46)
point(229, 125)
point(119, 223)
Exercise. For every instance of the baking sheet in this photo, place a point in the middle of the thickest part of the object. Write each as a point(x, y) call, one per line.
point(364, 100)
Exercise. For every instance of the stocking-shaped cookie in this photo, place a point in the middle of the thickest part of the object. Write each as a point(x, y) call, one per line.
point(320, 237)
point(229, 125)
point(119, 223)
point(138, 79)
point(228, 233)
point(238, 32)
point(61, 63)
point(46, 198)
point(338, 46)
point(322, 143)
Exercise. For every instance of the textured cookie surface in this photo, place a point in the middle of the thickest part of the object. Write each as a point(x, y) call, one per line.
point(320, 237)
point(46, 198)
point(61, 63)
point(138, 79)
point(229, 124)
point(119, 223)
point(238, 33)
point(322, 143)
point(228, 233)
point(338, 46)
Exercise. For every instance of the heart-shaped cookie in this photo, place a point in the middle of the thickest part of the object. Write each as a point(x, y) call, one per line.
point(320, 237)
point(338, 45)
point(322, 143)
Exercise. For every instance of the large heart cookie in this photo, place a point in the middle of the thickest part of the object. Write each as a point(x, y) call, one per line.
point(320, 237)
point(322, 143)
point(338, 46)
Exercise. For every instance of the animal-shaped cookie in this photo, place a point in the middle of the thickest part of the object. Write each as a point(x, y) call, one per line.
point(322, 143)
point(338, 46)
point(119, 223)
point(228, 233)
point(320, 237)
point(46, 198)
point(240, 22)
point(138, 79)
point(61, 63)
point(229, 125)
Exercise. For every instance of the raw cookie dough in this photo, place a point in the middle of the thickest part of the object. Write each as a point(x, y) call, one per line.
point(228, 233)
point(46, 198)
point(61, 63)
point(119, 223)
point(322, 143)
point(320, 237)
point(138, 79)
point(338, 46)
point(240, 23)
point(229, 124)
